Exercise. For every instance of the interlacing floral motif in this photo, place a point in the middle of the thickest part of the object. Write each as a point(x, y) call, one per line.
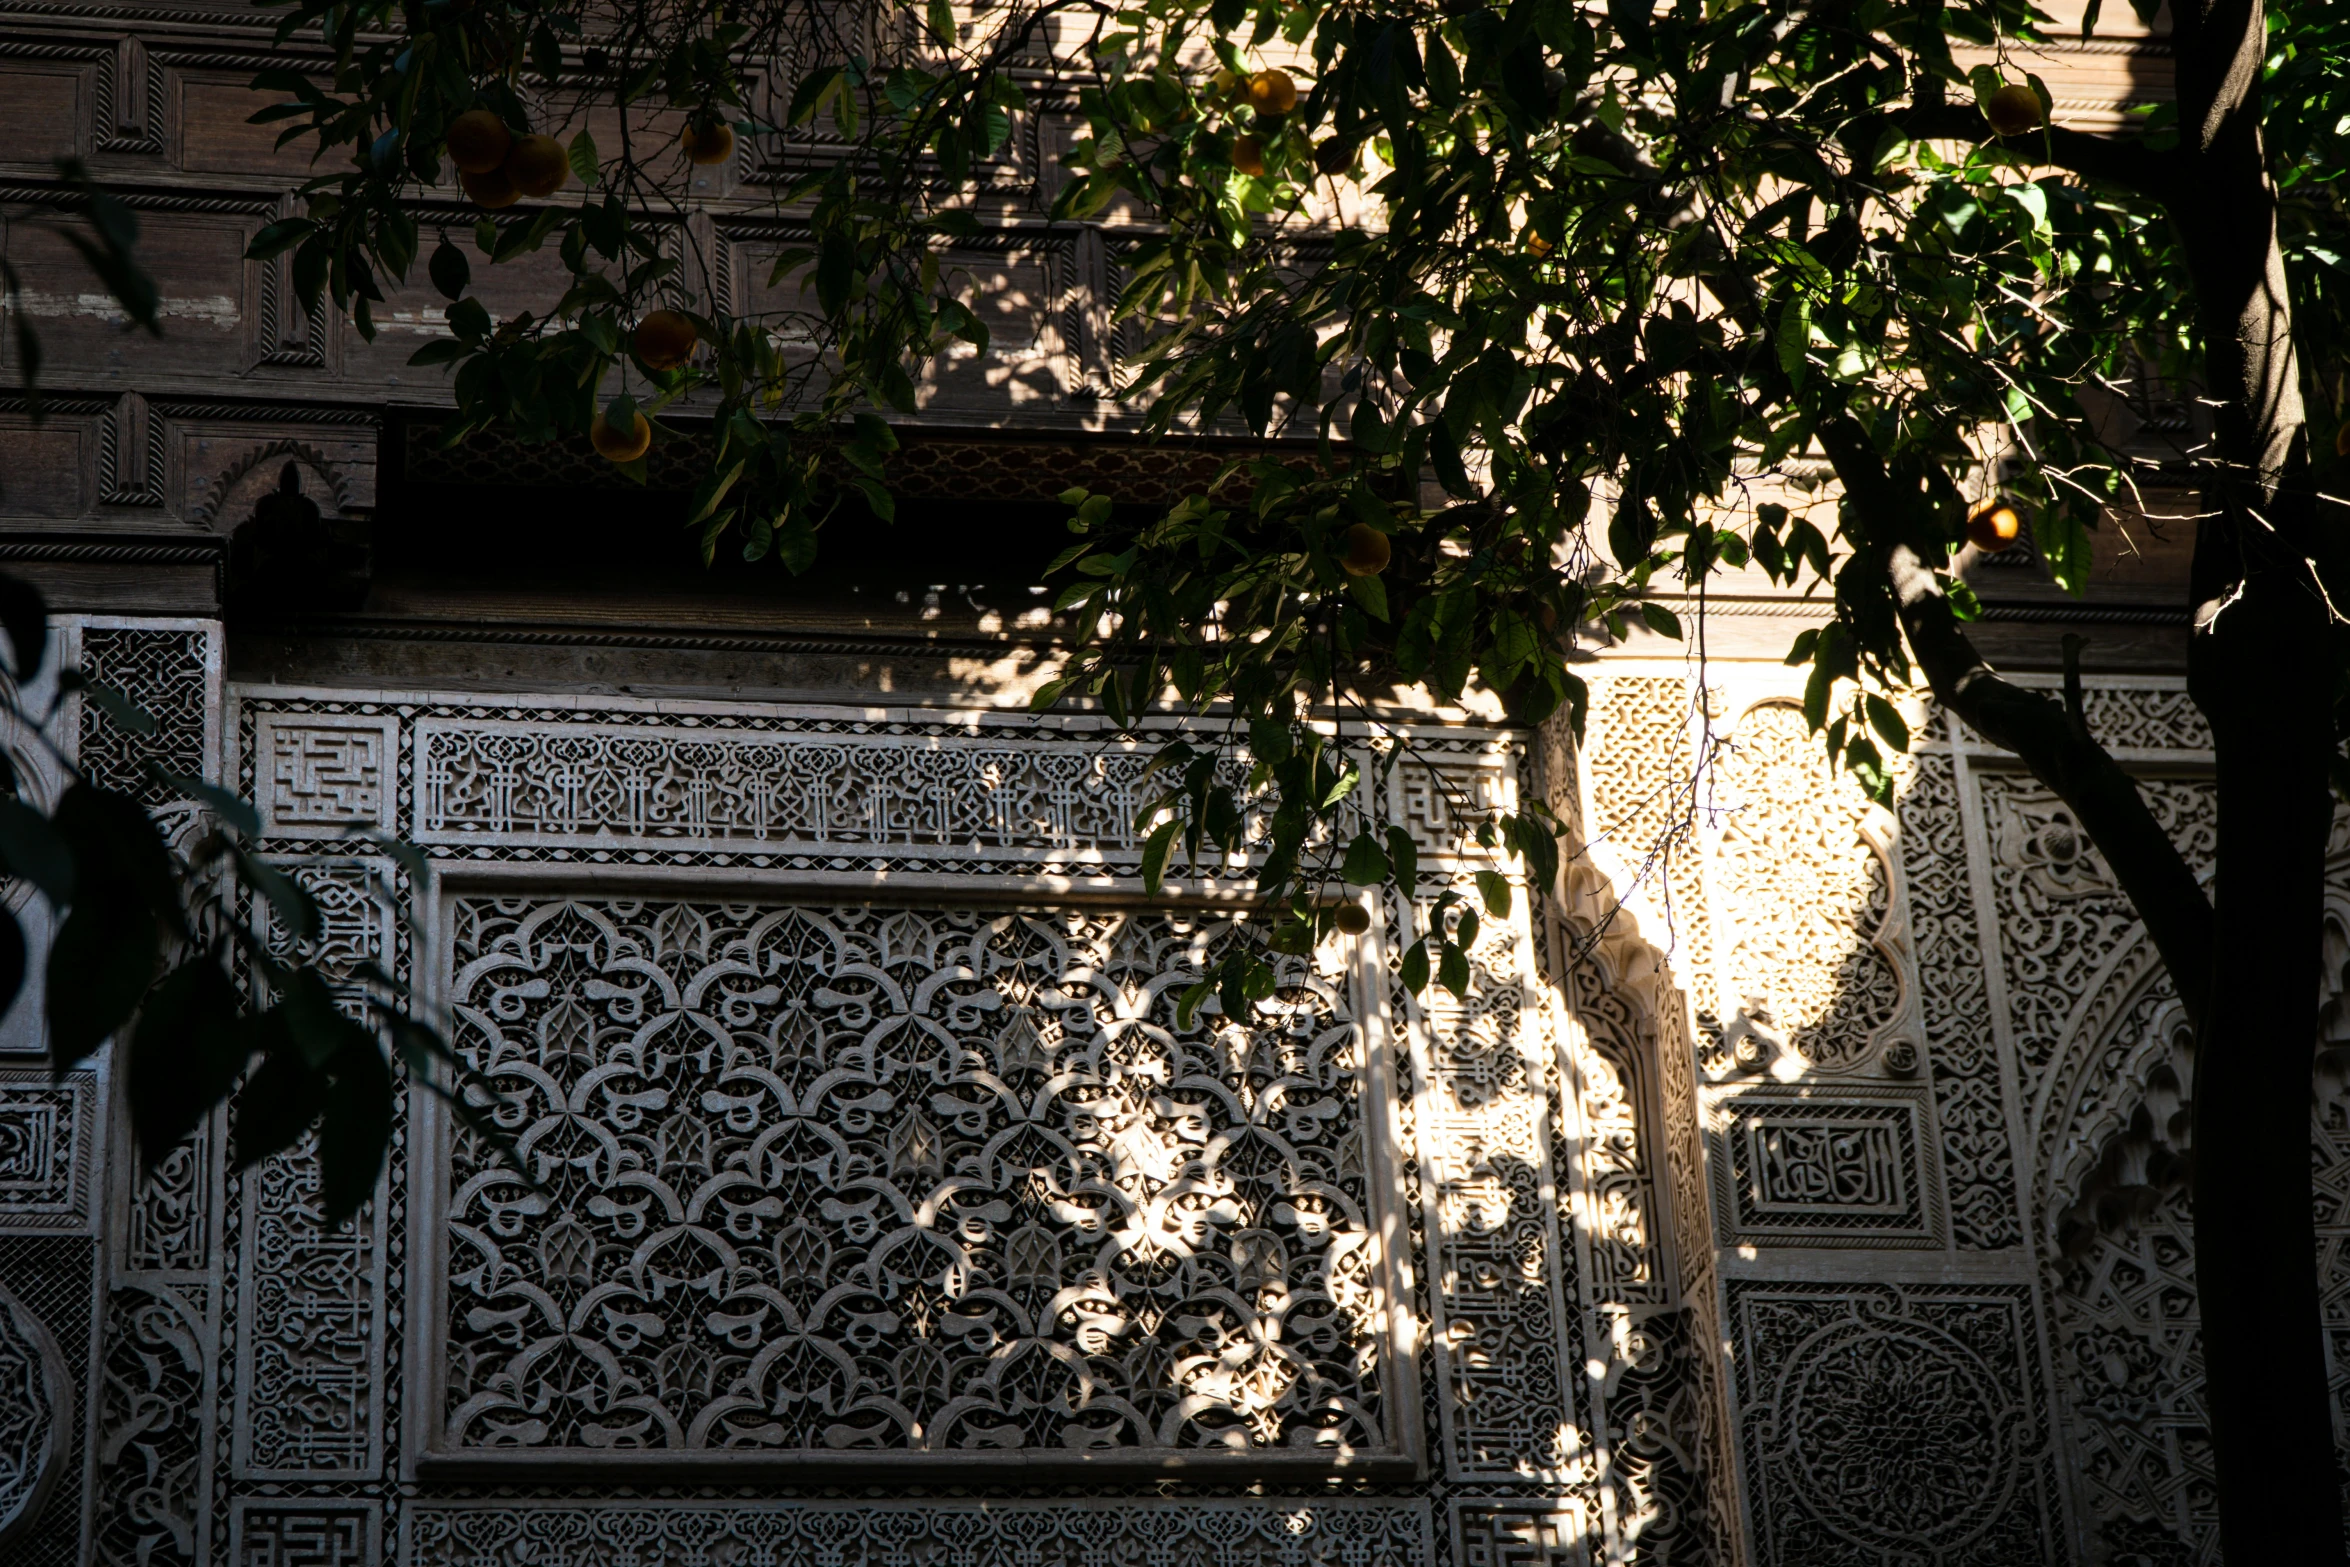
point(1811, 895)
point(892, 1178)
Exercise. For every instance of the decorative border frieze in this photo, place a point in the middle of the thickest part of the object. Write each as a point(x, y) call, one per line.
point(1187, 1532)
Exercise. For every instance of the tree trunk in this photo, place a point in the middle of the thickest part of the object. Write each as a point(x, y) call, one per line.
point(2261, 666)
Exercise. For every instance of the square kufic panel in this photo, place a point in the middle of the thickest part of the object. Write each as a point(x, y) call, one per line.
point(326, 1532)
point(48, 1150)
point(1533, 1533)
point(1902, 1425)
point(1825, 1167)
point(888, 1185)
point(321, 775)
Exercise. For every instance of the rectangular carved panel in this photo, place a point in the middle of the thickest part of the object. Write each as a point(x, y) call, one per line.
point(48, 1143)
point(1094, 1533)
point(1893, 1424)
point(902, 1181)
point(1830, 1167)
point(322, 776)
point(304, 1534)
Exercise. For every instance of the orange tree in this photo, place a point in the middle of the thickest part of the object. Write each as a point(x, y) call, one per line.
point(1608, 267)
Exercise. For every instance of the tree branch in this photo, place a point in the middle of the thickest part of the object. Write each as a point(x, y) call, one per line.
point(2112, 159)
point(2067, 758)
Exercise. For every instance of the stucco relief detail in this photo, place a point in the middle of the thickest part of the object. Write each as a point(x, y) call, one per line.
point(37, 1409)
point(1816, 940)
point(1484, 1122)
point(1893, 1425)
point(47, 1135)
point(820, 1179)
point(1109, 1532)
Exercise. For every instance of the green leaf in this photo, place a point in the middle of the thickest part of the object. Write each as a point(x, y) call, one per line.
point(1403, 852)
point(1154, 855)
point(31, 847)
point(1366, 863)
point(356, 1127)
point(1369, 592)
point(1414, 972)
point(230, 807)
point(1494, 888)
point(186, 1054)
point(585, 162)
point(1452, 971)
point(1188, 1005)
point(449, 270)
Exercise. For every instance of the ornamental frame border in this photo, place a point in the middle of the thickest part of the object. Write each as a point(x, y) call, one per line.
point(423, 1458)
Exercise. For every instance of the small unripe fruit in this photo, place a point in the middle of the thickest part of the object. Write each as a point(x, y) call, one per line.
point(663, 340)
point(1248, 156)
point(618, 444)
point(2013, 110)
point(1272, 92)
point(1352, 918)
point(1367, 551)
point(538, 166)
point(478, 142)
point(490, 189)
point(1994, 527)
point(708, 140)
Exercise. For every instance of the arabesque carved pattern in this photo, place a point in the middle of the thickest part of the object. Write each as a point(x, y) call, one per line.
point(902, 1179)
point(151, 1502)
point(1805, 898)
point(1978, 1160)
point(1503, 1276)
point(1890, 1425)
point(36, 1412)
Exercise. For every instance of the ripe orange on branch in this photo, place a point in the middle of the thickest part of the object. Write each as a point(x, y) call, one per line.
point(663, 340)
point(618, 444)
point(1272, 92)
point(538, 166)
point(1994, 527)
point(1367, 551)
point(478, 142)
point(1248, 156)
point(490, 189)
point(707, 139)
point(2013, 110)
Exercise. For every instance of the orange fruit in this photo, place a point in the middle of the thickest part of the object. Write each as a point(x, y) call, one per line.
point(490, 189)
point(2013, 110)
point(1993, 527)
point(1272, 92)
point(538, 166)
point(478, 142)
point(2342, 440)
point(1248, 156)
point(1334, 156)
point(619, 445)
point(1367, 551)
point(663, 340)
point(708, 139)
point(1352, 918)
point(1539, 246)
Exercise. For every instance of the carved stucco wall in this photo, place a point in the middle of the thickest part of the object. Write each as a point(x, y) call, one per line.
point(870, 1154)
point(1748, 1208)
point(1943, 1081)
